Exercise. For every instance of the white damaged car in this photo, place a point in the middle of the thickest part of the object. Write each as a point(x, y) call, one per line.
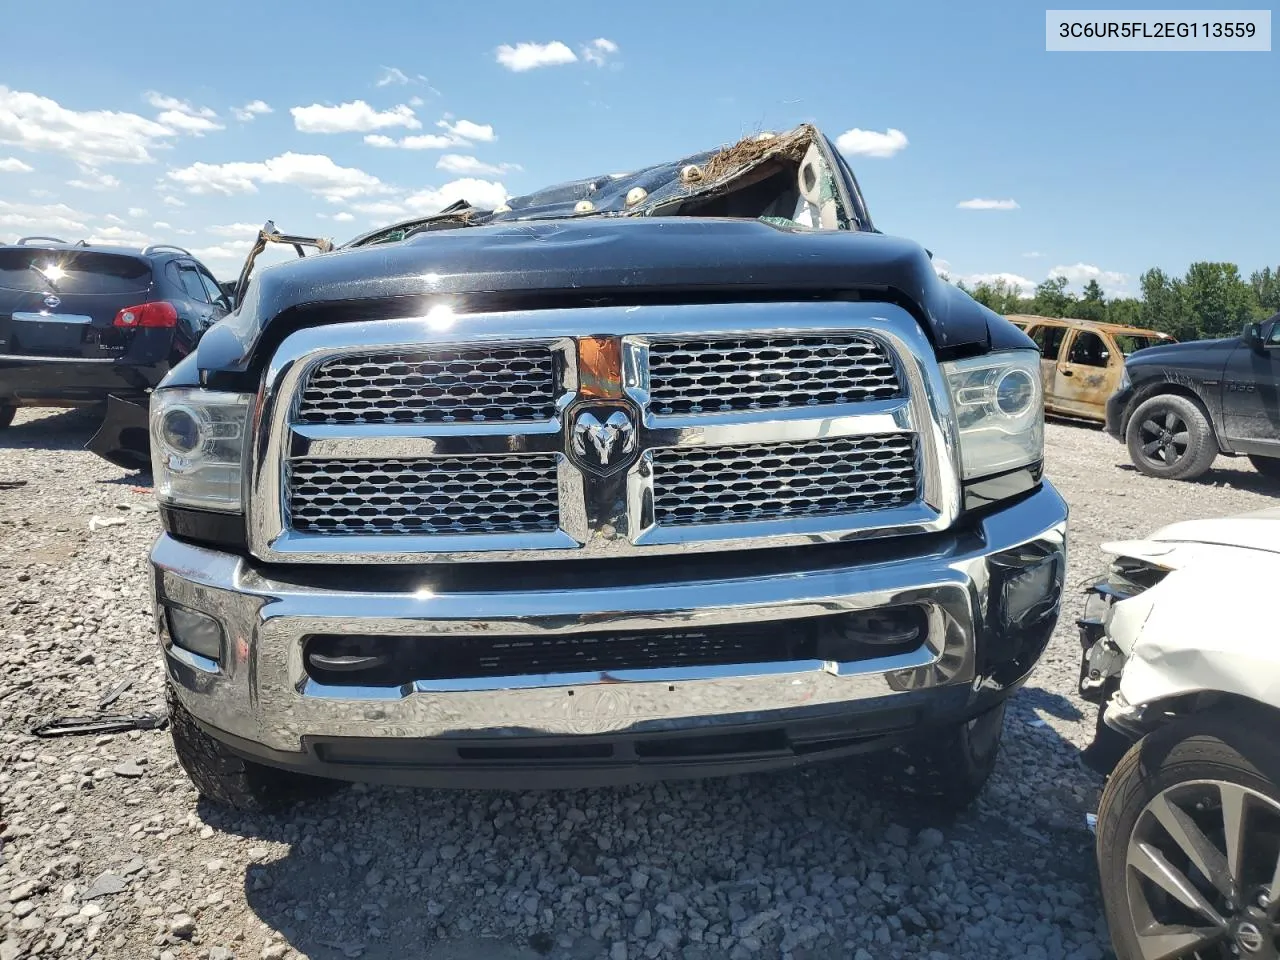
point(1182, 651)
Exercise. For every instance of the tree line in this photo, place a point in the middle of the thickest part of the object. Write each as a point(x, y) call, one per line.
point(1211, 300)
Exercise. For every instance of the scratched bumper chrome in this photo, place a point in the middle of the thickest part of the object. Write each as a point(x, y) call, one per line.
point(262, 693)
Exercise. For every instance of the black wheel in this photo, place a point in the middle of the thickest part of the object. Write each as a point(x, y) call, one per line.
point(6, 415)
point(226, 779)
point(1267, 466)
point(953, 764)
point(1169, 436)
point(1189, 842)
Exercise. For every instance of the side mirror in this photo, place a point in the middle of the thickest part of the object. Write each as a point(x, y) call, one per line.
point(1252, 336)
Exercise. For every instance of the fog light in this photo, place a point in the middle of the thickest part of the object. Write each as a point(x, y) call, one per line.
point(1030, 593)
point(196, 633)
point(872, 633)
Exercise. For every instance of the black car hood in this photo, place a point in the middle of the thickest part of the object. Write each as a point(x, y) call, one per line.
point(1166, 353)
point(611, 257)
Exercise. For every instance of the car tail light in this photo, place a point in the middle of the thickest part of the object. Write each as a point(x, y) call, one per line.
point(158, 313)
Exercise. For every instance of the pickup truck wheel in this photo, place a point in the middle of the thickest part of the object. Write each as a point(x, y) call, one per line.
point(1188, 842)
point(1267, 466)
point(6, 415)
point(954, 763)
point(1169, 437)
point(227, 779)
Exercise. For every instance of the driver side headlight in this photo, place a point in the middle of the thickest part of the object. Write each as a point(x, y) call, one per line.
point(1000, 410)
point(198, 443)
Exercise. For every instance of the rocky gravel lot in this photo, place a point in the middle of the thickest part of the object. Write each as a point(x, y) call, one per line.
point(108, 852)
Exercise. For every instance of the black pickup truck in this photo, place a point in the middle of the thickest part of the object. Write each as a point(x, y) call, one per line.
point(682, 472)
point(1181, 404)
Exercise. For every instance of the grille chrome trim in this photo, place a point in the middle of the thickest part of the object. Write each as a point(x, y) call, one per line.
point(692, 376)
point(612, 517)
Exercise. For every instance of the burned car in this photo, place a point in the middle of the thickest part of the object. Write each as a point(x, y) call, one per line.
point(683, 472)
point(1179, 652)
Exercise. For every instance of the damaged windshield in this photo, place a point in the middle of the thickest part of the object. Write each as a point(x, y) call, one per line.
point(792, 180)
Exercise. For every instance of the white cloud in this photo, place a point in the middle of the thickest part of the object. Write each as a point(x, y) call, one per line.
point(250, 110)
point(482, 194)
point(181, 116)
point(161, 225)
point(112, 218)
point(42, 194)
point(314, 172)
point(234, 230)
point(185, 233)
point(343, 217)
point(978, 203)
point(871, 143)
point(1024, 286)
point(530, 56)
point(229, 250)
point(1033, 254)
point(123, 236)
point(416, 101)
point(1078, 274)
point(137, 212)
point(941, 266)
point(89, 137)
point(43, 217)
point(380, 208)
point(466, 130)
point(354, 117)
point(173, 202)
point(394, 74)
point(598, 51)
point(459, 163)
point(94, 180)
point(14, 165)
point(421, 141)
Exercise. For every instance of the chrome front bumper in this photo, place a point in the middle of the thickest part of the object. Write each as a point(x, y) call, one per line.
point(261, 694)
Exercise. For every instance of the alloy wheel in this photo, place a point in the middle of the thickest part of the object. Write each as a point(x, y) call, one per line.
point(1164, 437)
point(1203, 874)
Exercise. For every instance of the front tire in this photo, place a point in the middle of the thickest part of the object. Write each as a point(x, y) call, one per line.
point(953, 764)
point(227, 779)
point(1169, 437)
point(1189, 838)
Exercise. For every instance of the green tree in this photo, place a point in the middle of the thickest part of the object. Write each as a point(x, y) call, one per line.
point(1052, 298)
point(1126, 310)
point(1163, 305)
point(1093, 292)
point(1266, 288)
point(1218, 300)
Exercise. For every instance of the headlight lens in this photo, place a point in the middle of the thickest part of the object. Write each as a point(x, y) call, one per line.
point(1000, 410)
point(198, 446)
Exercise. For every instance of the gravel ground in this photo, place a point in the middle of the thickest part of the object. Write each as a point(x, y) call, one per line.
point(109, 853)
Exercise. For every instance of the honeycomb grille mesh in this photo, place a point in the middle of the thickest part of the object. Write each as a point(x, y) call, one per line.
point(456, 384)
point(766, 373)
point(699, 485)
point(445, 495)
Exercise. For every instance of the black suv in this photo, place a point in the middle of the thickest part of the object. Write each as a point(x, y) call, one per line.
point(79, 323)
point(1181, 404)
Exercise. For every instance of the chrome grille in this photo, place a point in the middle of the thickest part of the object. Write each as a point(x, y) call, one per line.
point(444, 495)
point(446, 385)
point(844, 475)
point(761, 373)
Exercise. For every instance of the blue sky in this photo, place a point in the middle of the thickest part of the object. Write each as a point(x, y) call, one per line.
point(1116, 162)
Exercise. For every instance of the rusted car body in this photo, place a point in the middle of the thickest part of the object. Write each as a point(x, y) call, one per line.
point(1081, 362)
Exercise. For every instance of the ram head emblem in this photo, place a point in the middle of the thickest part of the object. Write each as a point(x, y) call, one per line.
point(596, 443)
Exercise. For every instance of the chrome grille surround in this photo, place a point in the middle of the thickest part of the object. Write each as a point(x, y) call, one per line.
point(616, 516)
point(446, 385)
point(770, 372)
point(843, 475)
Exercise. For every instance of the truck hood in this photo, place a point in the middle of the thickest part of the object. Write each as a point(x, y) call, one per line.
point(599, 260)
point(1181, 352)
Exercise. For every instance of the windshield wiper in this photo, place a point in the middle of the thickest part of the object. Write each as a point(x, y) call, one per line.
point(45, 277)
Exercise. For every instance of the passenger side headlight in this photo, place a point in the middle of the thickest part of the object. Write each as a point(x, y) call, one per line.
point(197, 447)
point(1000, 411)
